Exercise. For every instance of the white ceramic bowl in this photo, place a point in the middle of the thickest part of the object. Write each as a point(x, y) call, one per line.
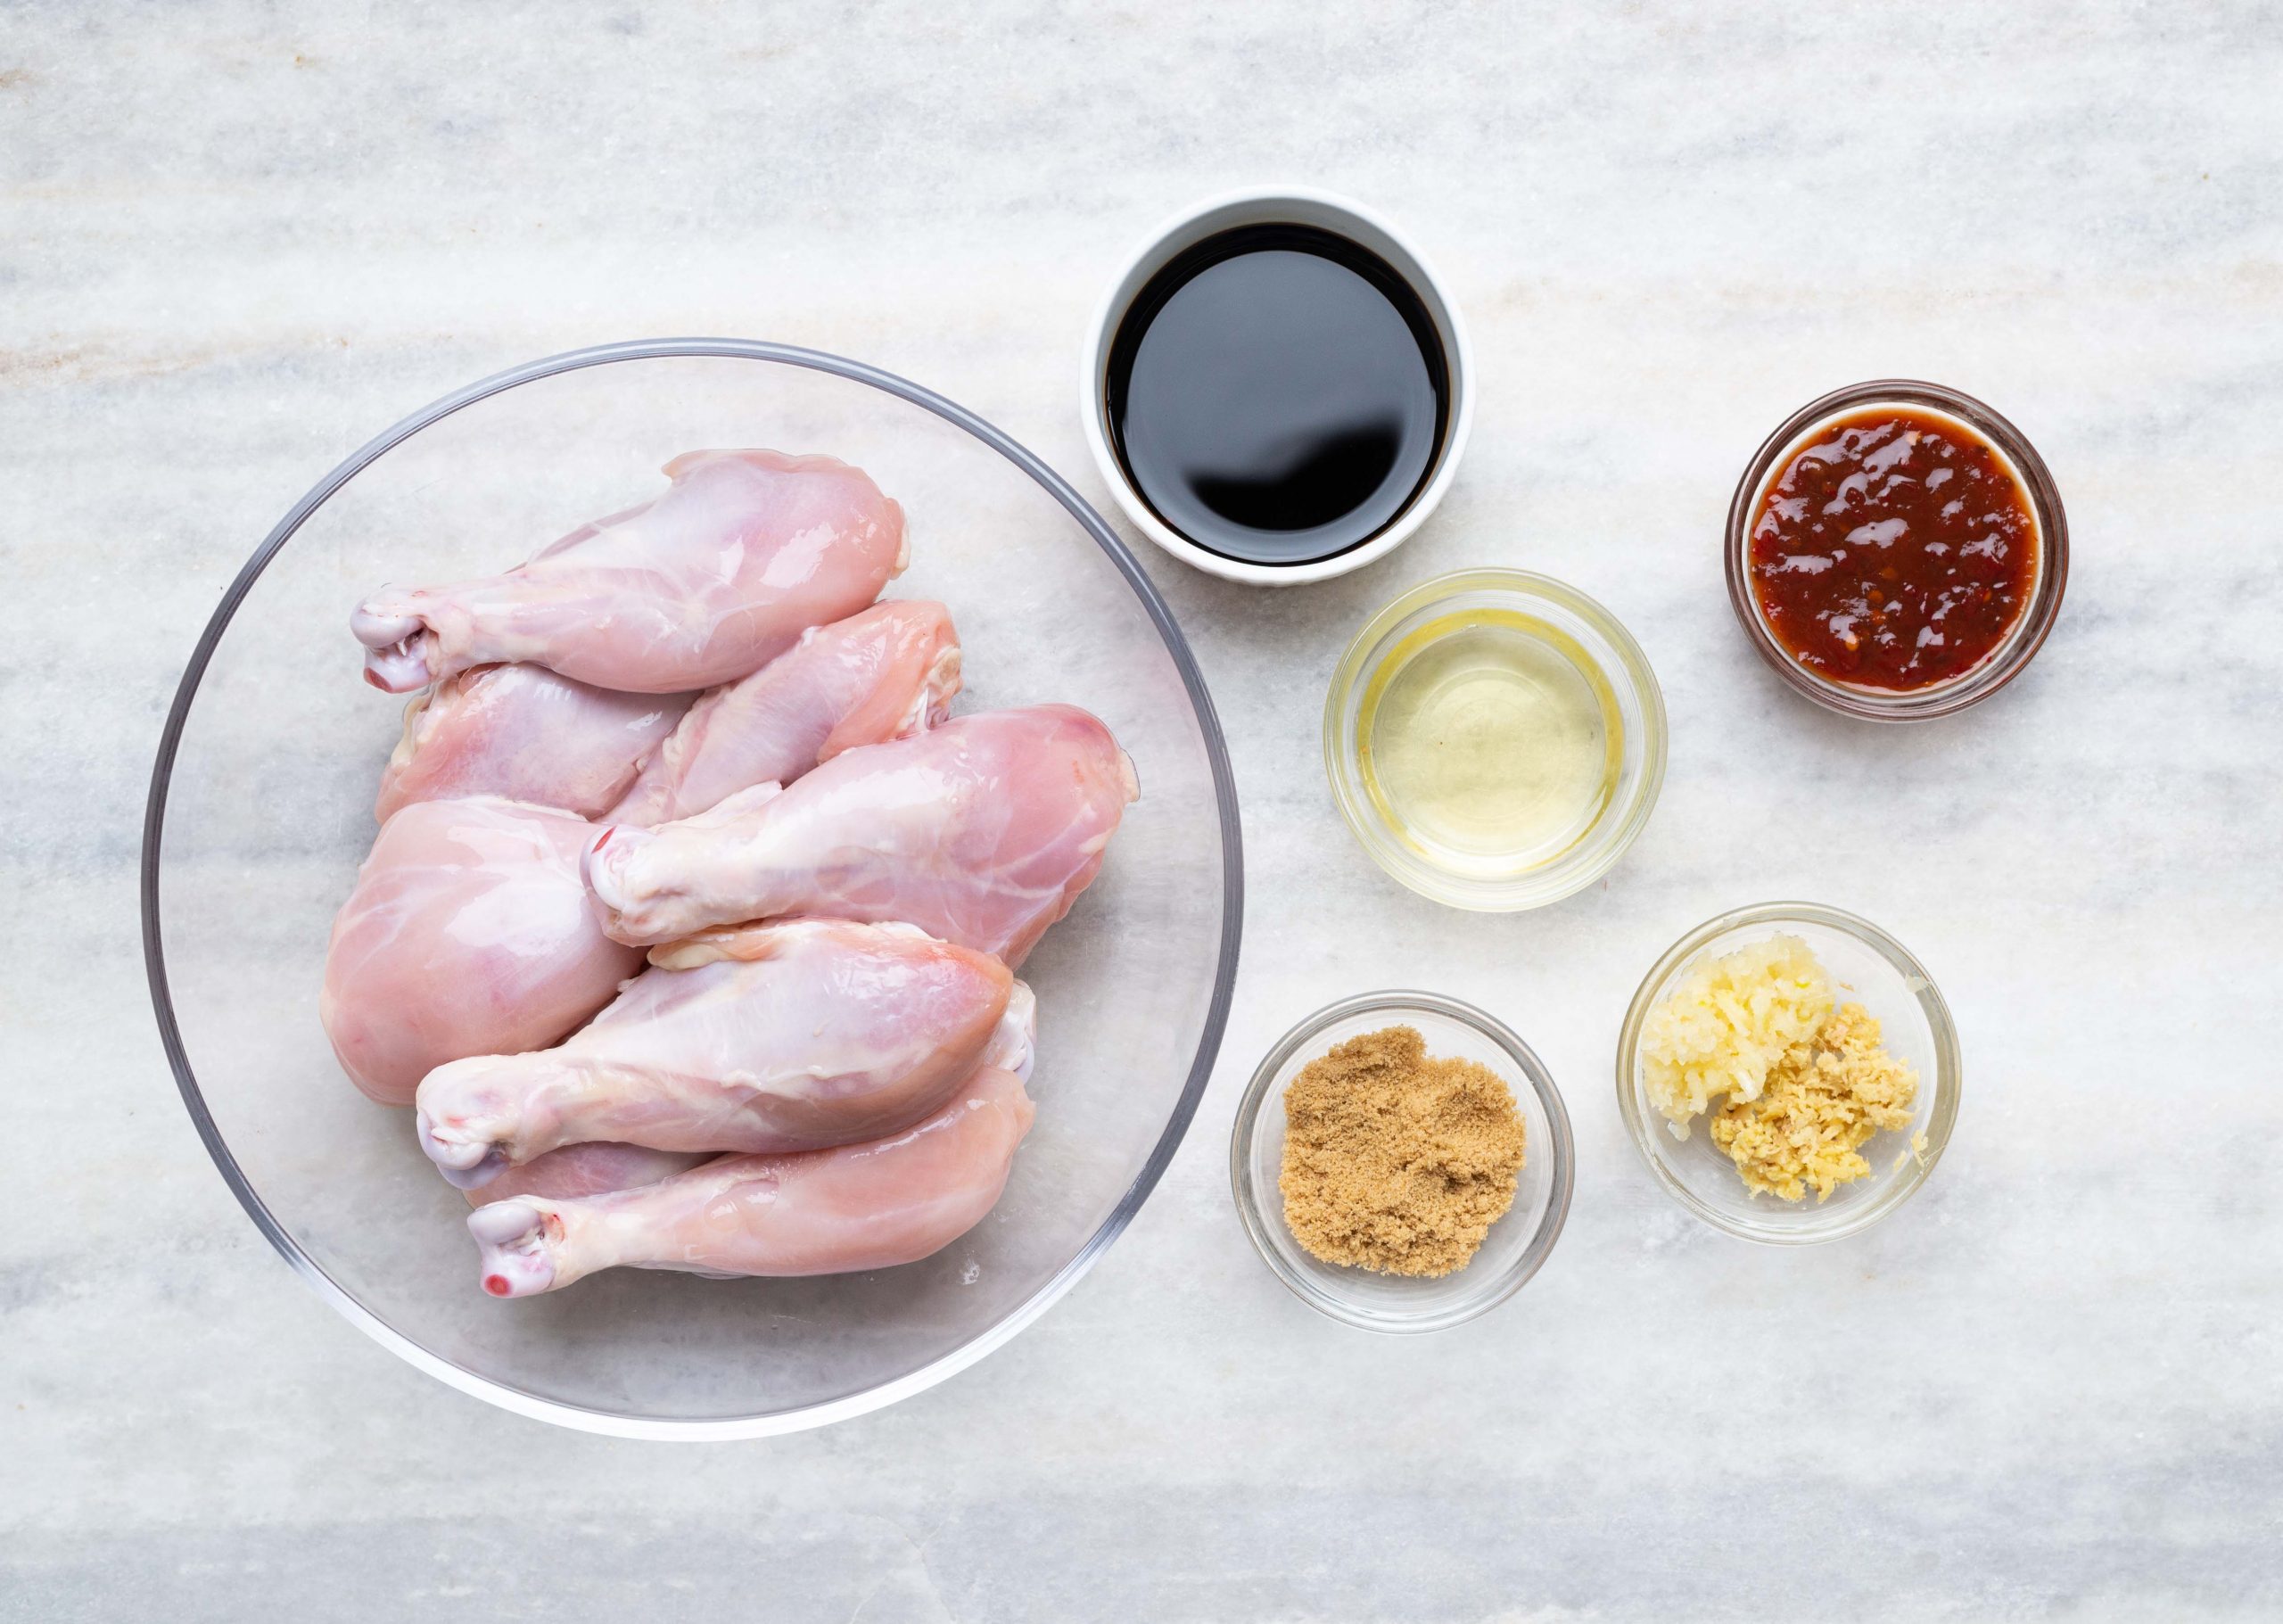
point(1259, 206)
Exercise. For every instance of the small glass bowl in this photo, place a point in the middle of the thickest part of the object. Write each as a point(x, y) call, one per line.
point(1517, 1243)
point(1870, 967)
point(1590, 632)
point(2028, 633)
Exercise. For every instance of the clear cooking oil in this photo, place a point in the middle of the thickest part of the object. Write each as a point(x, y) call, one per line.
point(1490, 741)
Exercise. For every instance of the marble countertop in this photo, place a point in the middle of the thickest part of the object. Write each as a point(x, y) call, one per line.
point(237, 239)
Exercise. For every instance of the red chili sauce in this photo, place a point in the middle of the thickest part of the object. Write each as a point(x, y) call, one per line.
point(1894, 550)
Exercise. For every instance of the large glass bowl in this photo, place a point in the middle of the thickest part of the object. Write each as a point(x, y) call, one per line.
point(261, 809)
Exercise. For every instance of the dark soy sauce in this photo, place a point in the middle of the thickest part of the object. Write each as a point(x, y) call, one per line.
point(1278, 394)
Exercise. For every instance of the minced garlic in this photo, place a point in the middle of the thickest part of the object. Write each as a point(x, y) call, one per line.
point(1727, 1023)
point(1821, 1101)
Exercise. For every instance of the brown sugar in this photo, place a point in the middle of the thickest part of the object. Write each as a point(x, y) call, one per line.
point(1394, 1161)
point(1822, 1100)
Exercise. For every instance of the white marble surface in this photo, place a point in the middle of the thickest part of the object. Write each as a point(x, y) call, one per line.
point(235, 239)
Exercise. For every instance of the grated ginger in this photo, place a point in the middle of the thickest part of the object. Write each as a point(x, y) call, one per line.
point(1727, 1023)
point(1821, 1101)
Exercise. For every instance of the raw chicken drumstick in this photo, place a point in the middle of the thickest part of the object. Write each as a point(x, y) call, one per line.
point(522, 732)
point(600, 1164)
point(786, 1037)
point(829, 1212)
point(981, 832)
point(703, 584)
point(595, 1167)
point(469, 932)
point(883, 673)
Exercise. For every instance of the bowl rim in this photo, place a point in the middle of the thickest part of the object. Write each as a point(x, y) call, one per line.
point(621, 1423)
point(1156, 249)
point(2020, 644)
point(1518, 894)
point(1950, 1075)
point(1252, 1212)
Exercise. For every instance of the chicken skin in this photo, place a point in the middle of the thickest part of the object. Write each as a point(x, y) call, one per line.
point(523, 733)
point(590, 1168)
point(469, 932)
